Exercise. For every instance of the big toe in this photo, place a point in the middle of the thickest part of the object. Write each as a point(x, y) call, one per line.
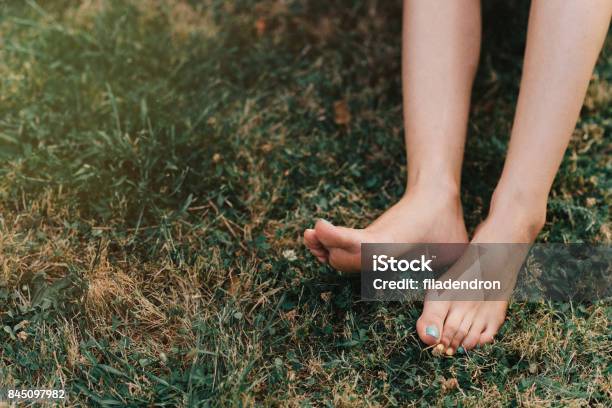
point(343, 245)
point(430, 324)
point(332, 236)
point(314, 245)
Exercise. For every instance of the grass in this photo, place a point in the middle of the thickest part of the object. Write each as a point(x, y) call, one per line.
point(159, 161)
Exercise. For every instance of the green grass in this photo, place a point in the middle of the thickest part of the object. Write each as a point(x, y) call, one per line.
point(159, 161)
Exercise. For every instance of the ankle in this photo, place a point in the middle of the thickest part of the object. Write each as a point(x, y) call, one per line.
point(440, 191)
point(523, 209)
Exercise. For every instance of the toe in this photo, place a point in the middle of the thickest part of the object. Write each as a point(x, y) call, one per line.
point(429, 326)
point(311, 240)
point(342, 245)
point(462, 331)
point(451, 326)
point(495, 317)
point(486, 338)
point(336, 237)
point(314, 245)
point(319, 253)
point(488, 335)
point(473, 337)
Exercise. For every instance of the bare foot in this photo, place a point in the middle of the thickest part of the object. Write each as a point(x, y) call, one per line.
point(460, 324)
point(419, 217)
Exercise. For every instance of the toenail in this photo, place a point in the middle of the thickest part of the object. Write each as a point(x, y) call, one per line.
point(432, 331)
point(325, 221)
point(450, 351)
point(438, 350)
point(460, 350)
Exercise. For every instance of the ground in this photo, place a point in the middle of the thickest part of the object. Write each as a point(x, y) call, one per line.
point(159, 161)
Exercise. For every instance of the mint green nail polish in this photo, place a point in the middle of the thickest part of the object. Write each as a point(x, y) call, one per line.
point(432, 331)
point(460, 350)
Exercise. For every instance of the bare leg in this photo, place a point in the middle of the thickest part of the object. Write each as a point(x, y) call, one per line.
point(441, 46)
point(563, 42)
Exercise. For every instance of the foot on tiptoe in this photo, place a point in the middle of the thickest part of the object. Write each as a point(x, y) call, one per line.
point(421, 216)
point(459, 325)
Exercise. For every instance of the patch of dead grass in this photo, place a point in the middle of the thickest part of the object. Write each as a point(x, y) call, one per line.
point(184, 19)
